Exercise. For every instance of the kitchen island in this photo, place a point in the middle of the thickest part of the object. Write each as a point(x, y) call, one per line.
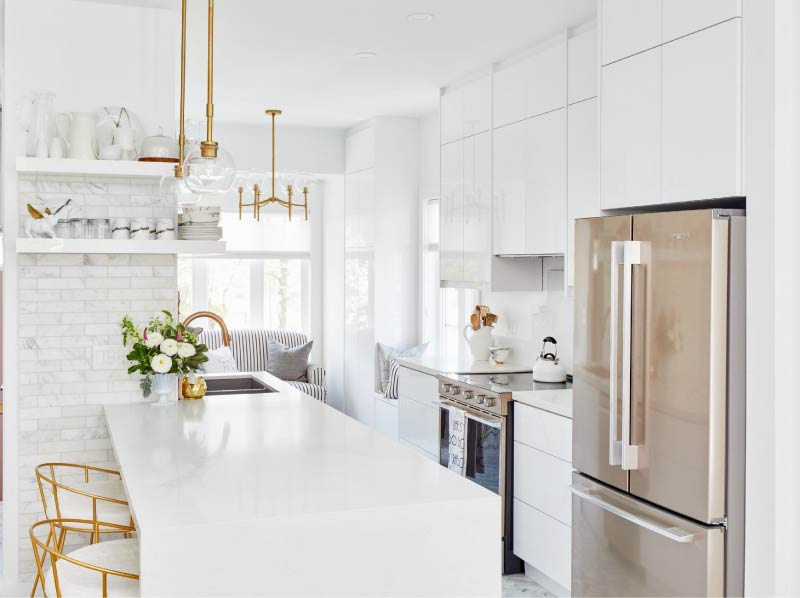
point(279, 494)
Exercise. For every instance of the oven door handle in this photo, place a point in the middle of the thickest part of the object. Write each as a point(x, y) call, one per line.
point(487, 420)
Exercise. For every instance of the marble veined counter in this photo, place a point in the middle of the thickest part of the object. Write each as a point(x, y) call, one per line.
point(279, 494)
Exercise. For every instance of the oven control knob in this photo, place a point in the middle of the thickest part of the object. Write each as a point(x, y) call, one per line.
point(456, 389)
point(489, 402)
point(481, 399)
point(446, 388)
point(468, 395)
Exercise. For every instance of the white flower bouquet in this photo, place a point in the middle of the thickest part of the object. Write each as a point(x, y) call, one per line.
point(163, 347)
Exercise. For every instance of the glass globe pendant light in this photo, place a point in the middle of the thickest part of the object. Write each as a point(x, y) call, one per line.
point(208, 169)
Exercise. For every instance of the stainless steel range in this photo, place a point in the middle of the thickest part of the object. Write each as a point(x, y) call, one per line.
point(476, 437)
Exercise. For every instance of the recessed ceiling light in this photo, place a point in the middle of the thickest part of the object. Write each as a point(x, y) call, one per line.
point(366, 54)
point(420, 16)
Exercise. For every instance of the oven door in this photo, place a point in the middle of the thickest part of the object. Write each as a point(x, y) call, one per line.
point(483, 453)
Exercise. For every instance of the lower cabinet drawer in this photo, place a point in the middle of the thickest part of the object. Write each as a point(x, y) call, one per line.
point(419, 425)
point(543, 430)
point(543, 481)
point(423, 388)
point(543, 542)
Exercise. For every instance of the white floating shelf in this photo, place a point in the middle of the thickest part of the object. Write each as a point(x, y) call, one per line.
point(120, 246)
point(109, 168)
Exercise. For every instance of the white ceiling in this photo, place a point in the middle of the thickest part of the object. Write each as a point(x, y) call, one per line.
point(298, 55)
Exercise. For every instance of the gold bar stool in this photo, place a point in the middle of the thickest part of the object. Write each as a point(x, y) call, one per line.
point(83, 493)
point(108, 568)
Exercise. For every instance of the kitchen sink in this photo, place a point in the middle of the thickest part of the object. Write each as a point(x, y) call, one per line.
point(235, 386)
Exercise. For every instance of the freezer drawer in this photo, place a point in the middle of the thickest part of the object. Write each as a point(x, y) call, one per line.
point(624, 547)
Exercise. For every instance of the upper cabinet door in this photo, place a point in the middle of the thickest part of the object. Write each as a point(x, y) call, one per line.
point(582, 66)
point(630, 132)
point(682, 17)
point(629, 27)
point(359, 150)
point(510, 179)
point(702, 135)
point(532, 86)
point(476, 106)
point(477, 207)
point(583, 168)
point(467, 109)
point(451, 218)
point(546, 188)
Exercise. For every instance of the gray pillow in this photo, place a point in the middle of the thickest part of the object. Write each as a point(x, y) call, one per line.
point(288, 364)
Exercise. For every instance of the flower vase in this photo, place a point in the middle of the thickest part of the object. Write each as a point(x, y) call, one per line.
point(165, 390)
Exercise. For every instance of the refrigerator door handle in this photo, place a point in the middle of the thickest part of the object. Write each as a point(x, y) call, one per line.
point(632, 255)
point(675, 534)
point(614, 445)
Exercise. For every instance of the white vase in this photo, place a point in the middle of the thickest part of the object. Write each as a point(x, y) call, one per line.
point(479, 342)
point(165, 389)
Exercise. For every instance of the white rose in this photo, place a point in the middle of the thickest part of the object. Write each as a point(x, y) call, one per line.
point(169, 347)
point(185, 350)
point(154, 339)
point(161, 364)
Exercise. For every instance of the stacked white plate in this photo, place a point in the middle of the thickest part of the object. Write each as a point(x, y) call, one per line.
point(200, 223)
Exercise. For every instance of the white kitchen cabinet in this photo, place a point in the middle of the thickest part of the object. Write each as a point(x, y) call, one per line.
point(543, 481)
point(628, 27)
point(543, 542)
point(510, 182)
point(387, 413)
point(359, 150)
point(419, 411)
point(583, 170)
point(582, 66)
point(542, 499)
point(451, 213)
point(630, 131)
point(359, 207)
point(477, 198)
point(546, 200)
point(701, 115)
point(466, 109)
point(682, 17)
point(530, 186)
point(530, 86)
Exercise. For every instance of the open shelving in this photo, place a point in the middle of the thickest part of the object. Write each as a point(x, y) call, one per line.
point(99, 168)
point(120, 246)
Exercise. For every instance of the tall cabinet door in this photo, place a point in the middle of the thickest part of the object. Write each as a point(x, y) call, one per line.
point(682, 17)
point(629, 27)
point(477, 153)
point(591, 409)
point(702, 117)
point(679, 365)
point(451, 240)
point(630, 132)
point(546, 191)
point(510, 189)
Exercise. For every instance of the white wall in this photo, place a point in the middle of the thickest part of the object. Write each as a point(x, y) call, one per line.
point(298, 149)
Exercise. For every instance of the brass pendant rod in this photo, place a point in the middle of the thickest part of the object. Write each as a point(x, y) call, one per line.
point(210, 101)
point(182, 127)
point(273, 155)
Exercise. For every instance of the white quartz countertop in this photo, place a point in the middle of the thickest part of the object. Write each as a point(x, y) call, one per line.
point(554, 401)
point(436, 364)
point(259, 456)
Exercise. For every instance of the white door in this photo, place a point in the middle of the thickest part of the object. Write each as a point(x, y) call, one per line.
point(702, 117)
point(451, 115)
point(629, 26)
point(583, 169)
point(509, 189)
point(546, 191)
point(681, 17)
point(451, 240)
point(630, 131)
point(476, 106)
point(477, 207)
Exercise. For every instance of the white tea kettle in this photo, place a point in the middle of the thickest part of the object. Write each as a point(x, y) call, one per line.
point(547, 367)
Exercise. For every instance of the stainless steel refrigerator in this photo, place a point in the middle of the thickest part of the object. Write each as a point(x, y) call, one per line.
point(658, 405)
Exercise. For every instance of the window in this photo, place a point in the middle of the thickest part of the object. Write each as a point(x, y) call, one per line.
point(263, 282)
point(456, 306)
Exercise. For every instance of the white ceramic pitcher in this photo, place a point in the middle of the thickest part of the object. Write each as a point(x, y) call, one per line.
point(479, 342)
point(80, 140)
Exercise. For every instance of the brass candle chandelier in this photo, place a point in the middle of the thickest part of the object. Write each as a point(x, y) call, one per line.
point(287, 203)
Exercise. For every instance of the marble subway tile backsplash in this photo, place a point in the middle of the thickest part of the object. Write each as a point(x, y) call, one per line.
point(95, 197)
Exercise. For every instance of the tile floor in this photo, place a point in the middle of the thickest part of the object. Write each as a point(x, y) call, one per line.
point(519, 586)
